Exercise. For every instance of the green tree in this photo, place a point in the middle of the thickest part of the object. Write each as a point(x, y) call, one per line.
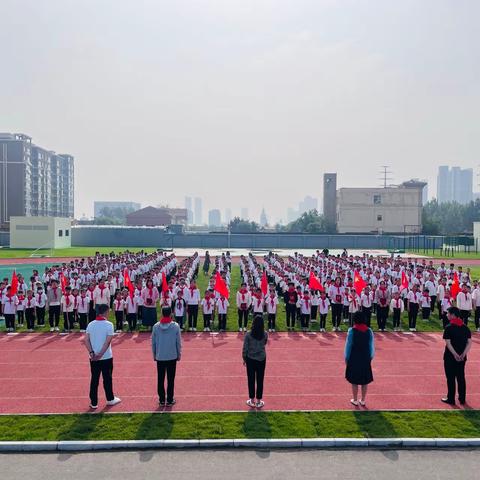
point(239, 225)
point(311, 222)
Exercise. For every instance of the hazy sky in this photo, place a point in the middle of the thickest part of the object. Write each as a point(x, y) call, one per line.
point(243, 103)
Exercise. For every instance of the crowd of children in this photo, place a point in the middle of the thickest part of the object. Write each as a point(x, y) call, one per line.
point(134, 285)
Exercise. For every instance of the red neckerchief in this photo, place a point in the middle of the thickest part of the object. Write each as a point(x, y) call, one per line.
point(457, 322)
point(323, 303)
point(166, 320)
point(361, 327)
point(101, 290)
point(207, 298)
point(150, 290)
point(117, 303)
point(75, 301)
point(83, 298)
point(259, 299)
point(99, 318)
point(39, 298)
point(398, 302)
point(306, 298)
point(223, 303)
point(178, 303)
point(272, 300)
point(55, 292)
point(243, 292)
point(354, 301)
point(29, 302)
point(67, 300)
point(192, 289)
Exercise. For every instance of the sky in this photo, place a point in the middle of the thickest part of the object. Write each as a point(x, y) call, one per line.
point(242, 103)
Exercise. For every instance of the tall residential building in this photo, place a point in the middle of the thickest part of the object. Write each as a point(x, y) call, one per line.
point(330, 197)
point(307, 204)
point(214, 218)
point(99, 206)
point(228, 215)
point(188, 207)
point(454, 185)
point(244, 213)
point(34, 181)
point(198, 211)
point(263, 218)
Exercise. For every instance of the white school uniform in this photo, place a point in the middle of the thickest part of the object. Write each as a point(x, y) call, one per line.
point(464, 301)
point(271, 304)
point(222, 306)
point(208, 305)
point(10, 304)
point(83, 304)
point(257, 304)
point(397, 304)
point(63, 302)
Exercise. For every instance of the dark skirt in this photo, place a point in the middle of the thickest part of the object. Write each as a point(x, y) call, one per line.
point(359, 373)
point(149, 318)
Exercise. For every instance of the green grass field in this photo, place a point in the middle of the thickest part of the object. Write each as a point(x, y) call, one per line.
point(67, 252)
point(460, 255)
point(142, 426)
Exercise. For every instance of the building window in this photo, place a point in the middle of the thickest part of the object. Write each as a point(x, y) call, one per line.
point(67, 233)
point(379, 218)
point(60, 233)
point(377, 199)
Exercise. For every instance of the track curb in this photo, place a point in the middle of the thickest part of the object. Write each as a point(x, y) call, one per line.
point(270, 443)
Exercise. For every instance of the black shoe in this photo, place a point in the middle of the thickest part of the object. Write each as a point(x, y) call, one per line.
point(171, 403)
point(446, 400)
point(462, 402)
point(162, 402)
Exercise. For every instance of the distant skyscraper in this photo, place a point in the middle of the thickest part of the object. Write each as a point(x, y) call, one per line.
point(263, 218)
point(454, 185)
point(188, 206)
point(244, 213)
point(330, 197)
point(198, 211)
point(214, 218)
point(307, 204)
point(228, 215)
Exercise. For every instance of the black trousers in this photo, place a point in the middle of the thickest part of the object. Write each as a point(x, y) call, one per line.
point(323, 320)
point(222, 321)
point(68, 320)
point(336, 314)
point(30, 318)
point(477, 317)
point(242, 318)
point(313, 312)
point(83, 320)
point(105, 369)
point(179, 320)
point(92, 314)
point(192, 316)
point(207, 318)
point(255, 374)
point(271, 321)
point(54, 315)
point(20, 317)
point(455, 373)
point(119, 319)
point(9, 320)
point(305, 320)
point(433, 301)
point(382, 315)
point(291, 312)
point(132, 321)
point(169, 367)
point(40, 315)
point(367, 313)
point(464, 314)
point(412, 315)
point(396, 317)
point(425, 313)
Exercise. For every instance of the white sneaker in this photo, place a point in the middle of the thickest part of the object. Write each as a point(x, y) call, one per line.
point(194, 329)
point(52, 329)
point(93, 407)
point(57, 329)
point(115, 401)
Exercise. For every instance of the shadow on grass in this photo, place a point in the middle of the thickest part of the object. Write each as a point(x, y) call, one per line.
point(81, 428)
point(256, 425)
point(374, 424)
point(156, 426)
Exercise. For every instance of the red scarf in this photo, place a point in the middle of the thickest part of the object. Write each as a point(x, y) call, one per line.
point(39, 298)
point(207, 299)
point(166, 320)
point(67, 300)
point(243, 291)
point(192, 289)
point(457, 322)
point(306, 298)
point(83, 298)
point(272, 300)
point(259, 300)
point(54, 289)
point(29, 302)
point(117, 303)
point(323, 303)
point(361, 327)
point(150, 292)
point(223, 303)
point(99, 318)
point(398, 302)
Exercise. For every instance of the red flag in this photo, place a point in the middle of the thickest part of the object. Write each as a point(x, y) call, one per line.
point(63, 283)
point(358, 283)
point(404, 284)
point(220, 285)
point(455, 288)
point(128, 283)
point(314, 283)
point(14, 283)
point(164, 283)
point(264, 284)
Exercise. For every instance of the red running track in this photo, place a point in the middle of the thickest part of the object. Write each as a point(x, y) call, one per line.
point(47, 373)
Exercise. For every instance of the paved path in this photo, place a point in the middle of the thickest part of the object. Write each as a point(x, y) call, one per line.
point(232, 465)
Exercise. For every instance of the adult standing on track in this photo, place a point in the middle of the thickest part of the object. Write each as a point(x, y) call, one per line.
point(255, 358)
point(167, 351)
point(359, 352)
point(98, 341)
point(458, 341)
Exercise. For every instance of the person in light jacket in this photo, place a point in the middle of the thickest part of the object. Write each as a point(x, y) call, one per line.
point(167, 351)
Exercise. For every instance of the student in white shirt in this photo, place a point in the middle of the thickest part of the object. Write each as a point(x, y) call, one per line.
point(67, 309)
point(10, 303)
point(271, 304)
point(244, 300)
point(179, 308)
point(305, 310)
point(222, 308)
point(208, 305)
point(40, 303)
point(396, 308)
point(131, 302)
point(83, 306)
point(426, 304)
point(193, 301)
point(20, 309)
point(315, 299)
point(444, 306)
point(464, 303)
point(413, 299)
point(366, 304)
point(323, 307)
point(353, 305)
point(119, 308)
point(29, 307)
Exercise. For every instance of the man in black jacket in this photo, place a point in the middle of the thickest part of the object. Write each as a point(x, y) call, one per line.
point(458, 341)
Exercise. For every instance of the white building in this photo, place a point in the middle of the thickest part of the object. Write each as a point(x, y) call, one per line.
point(40, 232)
point(214, 218)
point(381, 210)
